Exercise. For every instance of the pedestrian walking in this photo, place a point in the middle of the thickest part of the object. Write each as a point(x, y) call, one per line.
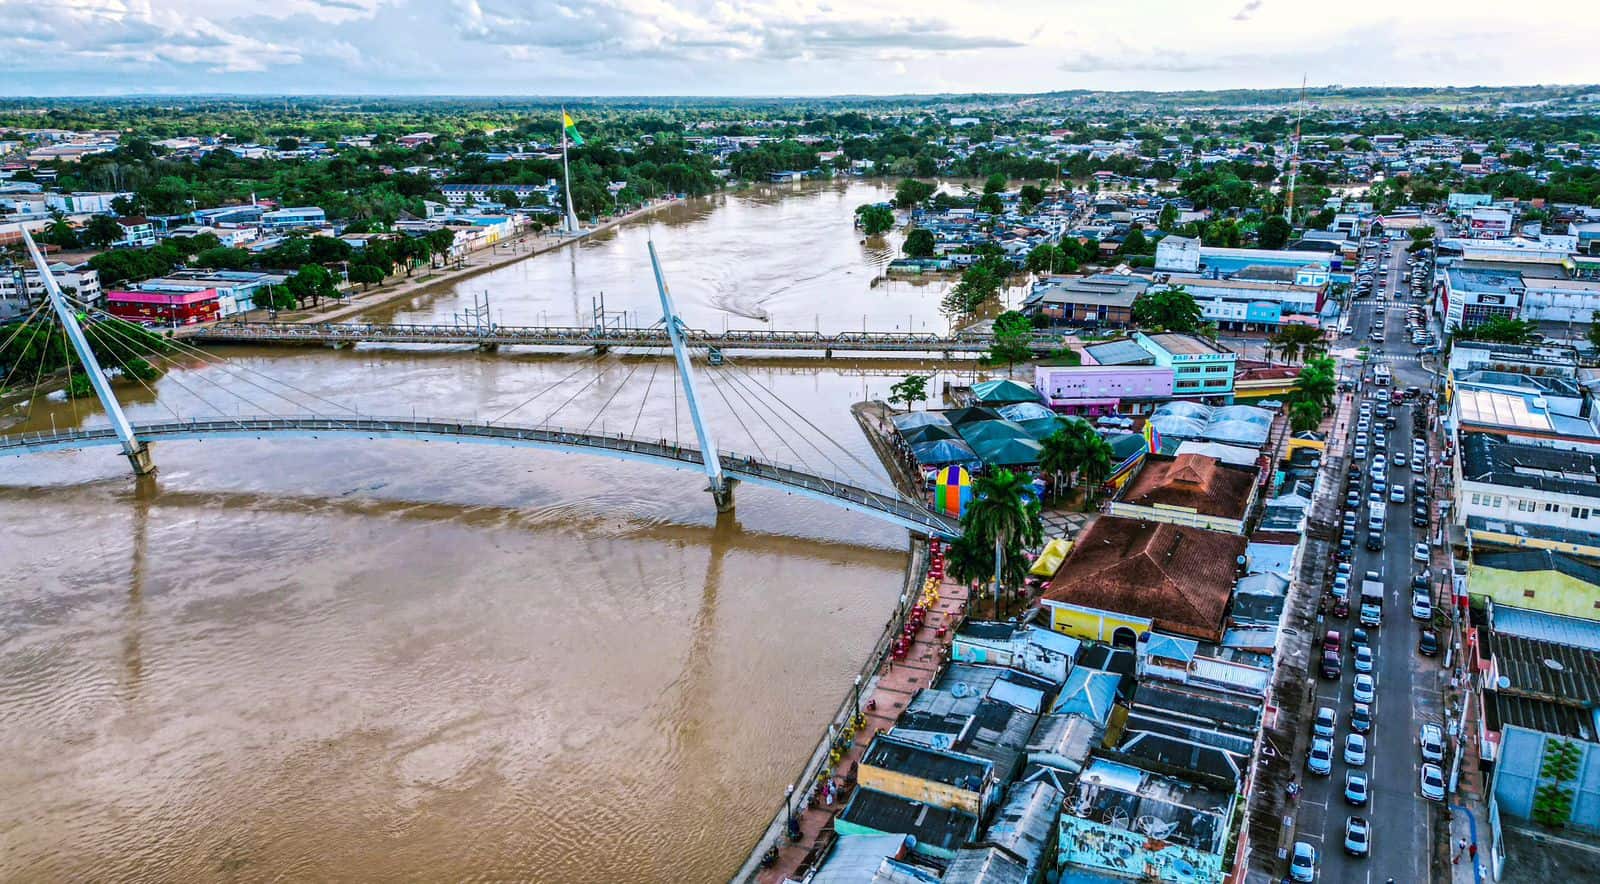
point(1461, 844)
point(1472, 852)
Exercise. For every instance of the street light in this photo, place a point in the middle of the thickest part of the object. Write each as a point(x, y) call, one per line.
point(855, 705)
point(788, 807)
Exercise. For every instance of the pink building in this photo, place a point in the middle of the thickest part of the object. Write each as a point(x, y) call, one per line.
point(1093, 390)
point(164, 307)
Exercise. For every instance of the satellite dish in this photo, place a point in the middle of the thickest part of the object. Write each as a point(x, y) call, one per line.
point(1502, 682)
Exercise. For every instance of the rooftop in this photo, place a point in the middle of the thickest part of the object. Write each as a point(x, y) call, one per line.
point(1574, 631)
point(1543, 670)
point(1538, 715)
point(1181, 578)
point(1120, 352)
point(1108, 289)
point(918, 761)
point(1489, 458)
point(1195, 482)
point(1531, 560)
point(939, 827)
point(1186, 345)
point(1498, 408)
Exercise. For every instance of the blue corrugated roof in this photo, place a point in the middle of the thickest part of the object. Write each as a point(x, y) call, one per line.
point(1547, 627)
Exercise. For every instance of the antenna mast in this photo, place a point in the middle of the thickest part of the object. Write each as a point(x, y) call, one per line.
point(1294, 152)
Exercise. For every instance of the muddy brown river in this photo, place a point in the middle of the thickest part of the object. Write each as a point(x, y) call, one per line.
point(381, 660)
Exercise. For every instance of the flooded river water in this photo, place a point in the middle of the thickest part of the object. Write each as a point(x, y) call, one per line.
point(378, 660)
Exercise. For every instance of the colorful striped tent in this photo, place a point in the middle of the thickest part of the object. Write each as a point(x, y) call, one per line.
point(952, 490)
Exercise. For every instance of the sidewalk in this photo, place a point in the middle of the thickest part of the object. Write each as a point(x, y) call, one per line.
point(1465, 868)
point(882, 702)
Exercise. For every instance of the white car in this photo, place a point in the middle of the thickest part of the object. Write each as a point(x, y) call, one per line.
point(1379, 462)
point(1323, 724)
point(1355, 750)
point(1400, 460)
point(1303, 865)
point(1420, 553)
point(1363, 658)
point(1397, 494)
point(1432, 782)
point(1364, 688)
point(1319, 760)
point(1360, 452)
point(1421, 606)
point(1430, 739)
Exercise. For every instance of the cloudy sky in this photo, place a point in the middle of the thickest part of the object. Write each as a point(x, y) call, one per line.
point(779, 47)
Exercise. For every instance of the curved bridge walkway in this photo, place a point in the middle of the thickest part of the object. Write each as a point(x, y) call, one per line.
point(792, 480)
point(574, 336)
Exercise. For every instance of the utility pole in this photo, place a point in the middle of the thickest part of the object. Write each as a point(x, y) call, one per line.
point(1294, 153)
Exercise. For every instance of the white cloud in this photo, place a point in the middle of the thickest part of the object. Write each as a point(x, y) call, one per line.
point(775, 46)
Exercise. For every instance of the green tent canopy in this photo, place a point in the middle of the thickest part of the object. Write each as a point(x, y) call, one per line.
point(1003, 392)
point(983, 431)
point(1008, 452)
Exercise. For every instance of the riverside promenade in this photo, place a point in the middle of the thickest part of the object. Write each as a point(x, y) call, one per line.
point(882, 701)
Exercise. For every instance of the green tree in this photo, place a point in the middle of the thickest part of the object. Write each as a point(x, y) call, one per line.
point(1048, 258)
point(1012, 335)
point(1316, 381)
point(919, 243)
point(1134, 243)
point(1304, 415)
point(1594, 330)
point(1030, 195)
point(977, 286)
point(223, 258)
point(313, 283)
point(60, 234)
point(1498, 330)
point(875, 219)
point(366, 274)
point(912, 193)
point(1002, 513)
point(1274, 232)
point(990, 202)
point(911, 389)
point(1061, 453)
point(996, 183)
point(1168, 219)
point(102, 231)
point(1297, 342)
point(1170, 309)
point(1095, 467)
point(968, 560)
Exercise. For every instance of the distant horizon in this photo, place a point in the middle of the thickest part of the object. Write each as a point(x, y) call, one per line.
point(1310, 88)
point(771, 48)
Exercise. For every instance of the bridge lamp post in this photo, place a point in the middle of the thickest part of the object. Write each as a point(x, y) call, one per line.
point(788, 807)
point(855, 703)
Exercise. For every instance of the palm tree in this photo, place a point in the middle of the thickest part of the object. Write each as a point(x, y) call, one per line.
point(966, 560)
point(1002, 513)
point(1095, 467)
point(1297, 342)
point(1060, 453)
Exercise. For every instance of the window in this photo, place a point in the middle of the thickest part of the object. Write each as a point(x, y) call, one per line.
point(1216, 368)
point(1527, 506)
point(1552, 507)
point(1186, 385)
point(1527, 593)
point(1580, 512)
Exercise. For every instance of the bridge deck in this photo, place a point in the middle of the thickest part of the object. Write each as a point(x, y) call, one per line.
point(574, 336)
point(909, 514)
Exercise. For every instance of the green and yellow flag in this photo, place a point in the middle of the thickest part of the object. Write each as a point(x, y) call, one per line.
point(572, 129)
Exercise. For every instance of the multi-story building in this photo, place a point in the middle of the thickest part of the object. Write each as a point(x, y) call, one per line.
point(85, 203)
point(165, 307)
point(137, 232)
point(288, 219)
point(1470, 296)
point(1516, 484)
point(235, 289)
point(1200, 368)
point(1101, 301)
point(21, 288)
point(1252, 304)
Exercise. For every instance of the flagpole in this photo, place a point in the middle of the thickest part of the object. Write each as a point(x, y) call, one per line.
point(566, 173)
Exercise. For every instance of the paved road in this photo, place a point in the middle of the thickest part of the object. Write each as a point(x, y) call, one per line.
point(1402, 821)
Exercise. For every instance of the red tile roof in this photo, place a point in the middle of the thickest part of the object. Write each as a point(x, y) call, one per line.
point(1181, 578)
point(1192, 481)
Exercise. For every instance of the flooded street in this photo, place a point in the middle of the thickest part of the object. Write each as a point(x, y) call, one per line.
point(379, 660)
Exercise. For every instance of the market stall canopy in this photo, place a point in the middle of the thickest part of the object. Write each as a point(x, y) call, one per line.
point(1003, 391)
point(943, 451)
point(928, 433)
point(1008, 452)
point(1044, 427)
point(912, 420)
point(1049, 561)
point(1025, 411)
point(982, 431)
point(959, 416)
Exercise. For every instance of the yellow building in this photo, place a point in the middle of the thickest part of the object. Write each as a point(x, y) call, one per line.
point(1093, 624)
point(1539, 580)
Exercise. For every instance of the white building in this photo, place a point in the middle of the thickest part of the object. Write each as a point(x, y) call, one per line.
point(1488, 222)
point(81, 283)
point(1178, 254)
point(1520, 483)
point(85, 203)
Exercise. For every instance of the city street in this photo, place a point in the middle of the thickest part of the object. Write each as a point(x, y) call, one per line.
point(1407, 684)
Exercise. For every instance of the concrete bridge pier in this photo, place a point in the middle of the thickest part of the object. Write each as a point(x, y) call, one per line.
point(488, 347)
point(340, 345)
point(723, 497)
point(143, 463)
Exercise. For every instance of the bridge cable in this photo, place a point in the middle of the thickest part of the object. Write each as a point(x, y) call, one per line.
point(675, 442)
point(26, 323)
point(607, 404)
point(127, 341)
point(71, 399)
point(38, 372)
point(782, 438)
point(530, 399)
point(753, 440)
point(793, 431)
point(127, 372)
point(655, 364)
point(871, 471)
point(544, 421)
point(243, 374)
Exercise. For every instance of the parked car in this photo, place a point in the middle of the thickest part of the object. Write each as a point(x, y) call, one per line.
point(1355, 750)
point(1362, 658)
point(1364, 689)
point(1303, 863)
point(1397, 494)
point(1360, 717)
point(1323, 724)
point(1357, 836)
point(1421, 607)
point(1374, 541)
point(1355, 788)
point(1430, 740)
point(1432, 780)
point(1319, 758)
point(1332, 667)
point(1428, 643)
point(1420, 553)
